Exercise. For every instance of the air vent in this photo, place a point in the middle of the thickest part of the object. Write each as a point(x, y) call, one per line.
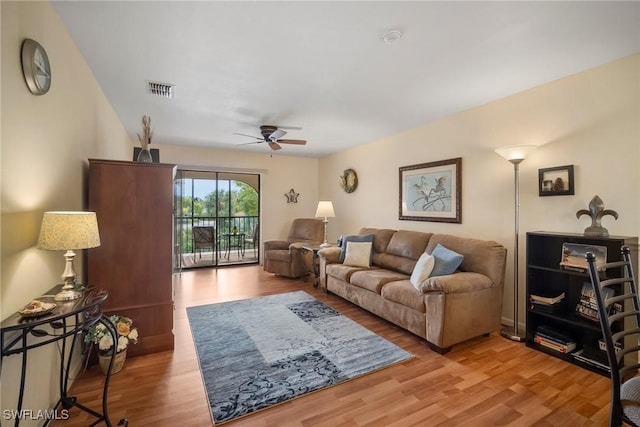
point(160, 89)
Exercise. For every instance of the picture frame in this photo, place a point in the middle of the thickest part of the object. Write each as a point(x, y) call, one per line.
point(556, 181)
point(431, 191)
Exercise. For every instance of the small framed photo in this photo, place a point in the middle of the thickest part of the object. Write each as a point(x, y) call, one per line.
point(556, 181)
point(432, 191)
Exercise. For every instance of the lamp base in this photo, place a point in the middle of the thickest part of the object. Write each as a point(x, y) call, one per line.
point(67, 295)
point(509, 333)
point(325, 245)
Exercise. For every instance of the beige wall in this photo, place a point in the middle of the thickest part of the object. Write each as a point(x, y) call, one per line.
point(45, 143)
point(590, 120)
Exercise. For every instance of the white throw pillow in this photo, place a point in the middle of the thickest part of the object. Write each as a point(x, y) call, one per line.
point(358, 254)
point(422, 270)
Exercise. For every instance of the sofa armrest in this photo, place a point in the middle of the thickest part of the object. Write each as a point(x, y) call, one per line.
point(329, 255)
point(460, 282)
point(275, 245)
point(326, 256)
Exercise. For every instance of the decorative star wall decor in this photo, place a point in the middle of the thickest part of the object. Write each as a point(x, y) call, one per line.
point(292, 196)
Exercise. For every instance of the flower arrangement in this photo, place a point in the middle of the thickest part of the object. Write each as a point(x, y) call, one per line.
point(145, 139)
point(98, 334)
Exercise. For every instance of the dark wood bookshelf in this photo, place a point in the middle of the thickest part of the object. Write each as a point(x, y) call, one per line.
point(545, 276)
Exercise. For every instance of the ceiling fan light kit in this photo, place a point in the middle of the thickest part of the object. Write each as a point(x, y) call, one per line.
point(271, 135)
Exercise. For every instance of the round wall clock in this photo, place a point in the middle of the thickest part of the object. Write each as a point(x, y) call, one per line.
point(35, 67)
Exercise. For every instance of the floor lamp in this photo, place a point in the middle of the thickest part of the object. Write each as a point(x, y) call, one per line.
point(515, 154)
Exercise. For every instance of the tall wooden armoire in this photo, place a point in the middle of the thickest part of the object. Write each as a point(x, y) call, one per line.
point(133, 203)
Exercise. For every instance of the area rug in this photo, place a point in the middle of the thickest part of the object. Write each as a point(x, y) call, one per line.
point(259, 352)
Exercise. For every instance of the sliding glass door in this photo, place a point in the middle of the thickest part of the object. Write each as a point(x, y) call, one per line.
point(217, 218)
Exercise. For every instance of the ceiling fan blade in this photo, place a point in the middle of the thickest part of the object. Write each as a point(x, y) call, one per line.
point(277, 134)
point(292, 141)
point(290, 127)
point(250, 136)
point(249, 143)
point(274, 145)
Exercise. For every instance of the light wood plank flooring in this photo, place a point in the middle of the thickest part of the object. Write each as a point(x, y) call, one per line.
point(484, 382)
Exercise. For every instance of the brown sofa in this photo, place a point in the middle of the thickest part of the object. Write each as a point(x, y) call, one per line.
point(447, 309)
point(284, 257)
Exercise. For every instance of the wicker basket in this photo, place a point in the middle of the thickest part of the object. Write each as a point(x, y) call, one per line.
point(118, 362)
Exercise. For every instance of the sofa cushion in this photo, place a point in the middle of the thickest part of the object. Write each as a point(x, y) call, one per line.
point(446, 261)
point(341, 271)
point(375, 279)
point(358, 254)
point(404, 249)
point(422, 270)
point(402, 292)
point(381, 238)
point(353, 238)
point(408, 244)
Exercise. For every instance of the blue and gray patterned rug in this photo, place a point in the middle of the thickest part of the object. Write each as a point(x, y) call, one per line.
point(259, 352)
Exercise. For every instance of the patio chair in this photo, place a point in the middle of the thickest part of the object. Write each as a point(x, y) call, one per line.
point(253, 239)
point(204, 238)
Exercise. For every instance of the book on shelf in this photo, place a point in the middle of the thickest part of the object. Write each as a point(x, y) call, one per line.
point(573, 257)
point(546, 299)
point(542, 307)
point(603, 346)
point(554, 334)
point(587, 306)
point(553, 339)
point(579, 355)
point(554, 345)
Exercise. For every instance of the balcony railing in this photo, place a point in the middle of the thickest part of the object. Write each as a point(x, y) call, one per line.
point(244, 224)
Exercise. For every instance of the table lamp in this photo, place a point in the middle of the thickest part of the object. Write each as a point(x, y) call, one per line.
point(68, 231)
point(325, 209)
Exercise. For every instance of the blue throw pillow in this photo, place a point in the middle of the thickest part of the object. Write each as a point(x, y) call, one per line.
point(447, 261)
point(354, 238)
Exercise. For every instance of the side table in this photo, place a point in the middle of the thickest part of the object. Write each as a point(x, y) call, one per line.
point(234, 241)
point(69, 319)
point(315, 264)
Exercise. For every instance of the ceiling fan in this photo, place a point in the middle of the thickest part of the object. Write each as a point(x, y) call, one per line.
point(271, 135)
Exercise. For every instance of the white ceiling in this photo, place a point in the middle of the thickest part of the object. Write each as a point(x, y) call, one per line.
point(322, 66)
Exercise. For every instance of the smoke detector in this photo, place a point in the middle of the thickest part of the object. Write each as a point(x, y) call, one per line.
point(161, 89)
point(392, 36)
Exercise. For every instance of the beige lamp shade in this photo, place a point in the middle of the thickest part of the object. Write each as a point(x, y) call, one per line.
point(325, 209)
point(68, 230)
point(515, 152)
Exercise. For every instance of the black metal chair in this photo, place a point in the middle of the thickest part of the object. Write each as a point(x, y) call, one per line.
point(622, 309)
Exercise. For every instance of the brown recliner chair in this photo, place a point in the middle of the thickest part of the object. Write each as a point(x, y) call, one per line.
point(285, 257)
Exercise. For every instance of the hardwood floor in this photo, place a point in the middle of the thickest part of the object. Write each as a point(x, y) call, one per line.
point(484, 382)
